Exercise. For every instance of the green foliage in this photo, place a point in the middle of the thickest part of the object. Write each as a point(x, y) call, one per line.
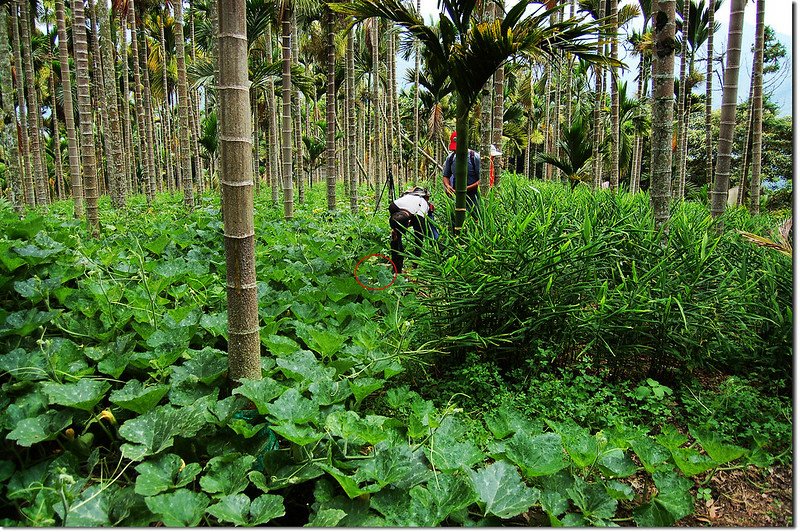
point(117, 412)
point(586, 275)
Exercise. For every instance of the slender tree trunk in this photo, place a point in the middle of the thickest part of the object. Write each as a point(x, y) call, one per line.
point(9, 138)
point(69, 113)
point(298, 130)
point(744, 170)
point(681, 177)
point(184, 134)
point(154, 175)
point(138, 110)
point(529, 131)
point(598, 102)
point(85, 113)
point(273, 166)
point(114, 131)
point(236, 179)
point(497, 114)
point(130, 167)
point(709, 85)
point(727, 122)
point(28, 190)
point(376, 146)
point(169, 160)
point(352, 122)
point(615, 141)
point(417, 169)
point(40, 172)
point(330, 107)
point(57, 163)
point(663, 100)
point(758, 105)
point(286, 118)
point(107, 163)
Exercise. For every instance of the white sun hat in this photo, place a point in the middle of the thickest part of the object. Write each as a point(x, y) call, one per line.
point(493, 151)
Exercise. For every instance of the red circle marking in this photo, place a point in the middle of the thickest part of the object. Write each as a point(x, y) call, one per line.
point(394, 269)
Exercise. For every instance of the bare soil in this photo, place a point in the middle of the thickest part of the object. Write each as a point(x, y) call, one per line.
point(749, 497)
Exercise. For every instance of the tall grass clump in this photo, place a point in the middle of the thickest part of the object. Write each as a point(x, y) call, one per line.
point(586, 275)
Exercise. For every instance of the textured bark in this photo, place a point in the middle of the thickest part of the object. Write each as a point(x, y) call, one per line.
point(598, 102)
point(298, 130)
point(184, 134)
point(709, 86)
point(758, 108)
point(286, 116)
point(377, 138)
point(169, 160)
point(9, 132)
point(548, 76)
point(727, 121)
point(114, 129)
point(417, 169)
point(104, 129)
point(236, 178)
point(39, 172)
point(744, 169)
point(125, 110)
point(57, 162)
point(615, 143)
point(330, 108)
point(85, 113)
point(273, 164)
point(352, 123)
point(138, 110)
point(28, 191)
point(499, 106)
point(486, 135)
point(663, 99)
point(154, 174)
point(681, 176)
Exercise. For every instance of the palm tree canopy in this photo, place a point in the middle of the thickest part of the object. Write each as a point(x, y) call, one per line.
point(471, 50)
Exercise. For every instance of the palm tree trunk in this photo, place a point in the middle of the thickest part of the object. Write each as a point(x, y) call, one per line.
point(154, 174)
point(681, 177)
point(114, 131)
point(746, 147)
point(138, 110)
point(614, 179)
point(416, 102)
point(236, 179)
point(727, 122)
point(286, 118)
point(40, 172)
point(85, 114)
point(169, 163)
point(352, 142)
point(69, 113)
point(663, 100)
point(57, 163)
point(273, 166)
point(28, 190)
point(376, 147)
point(104, 128)
point(298, 129)
point(330, 108)
point(486, 135)
point(758, 75)
point(125, 110)
point(709, 85)
point(497, 113)
point(10, 131)
point(184, 134)
point(598, 102)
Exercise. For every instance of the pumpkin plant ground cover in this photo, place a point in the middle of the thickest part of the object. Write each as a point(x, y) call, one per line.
point(116, 410)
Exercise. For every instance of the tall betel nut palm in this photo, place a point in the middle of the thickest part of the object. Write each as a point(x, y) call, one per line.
point(663, 97)
point(471, 50)
point(236, 148)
